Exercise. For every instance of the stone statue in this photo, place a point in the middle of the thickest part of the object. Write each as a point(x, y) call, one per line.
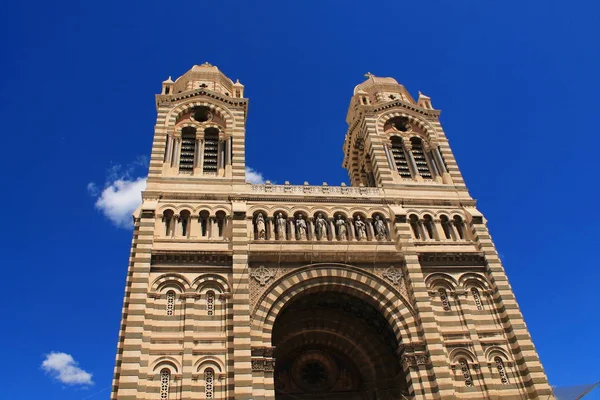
point(342, 229)
point(260, 226)
point(301, 227)
point(281, 227)
point(361, 228)
point(380, 230)
point(321, 227)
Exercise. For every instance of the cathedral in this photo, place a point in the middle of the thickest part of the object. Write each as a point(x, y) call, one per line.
point(387, 288)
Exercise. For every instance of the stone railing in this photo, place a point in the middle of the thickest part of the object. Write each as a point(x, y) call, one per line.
point(323, 189)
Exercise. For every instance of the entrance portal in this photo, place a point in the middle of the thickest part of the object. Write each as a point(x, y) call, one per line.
point(331, 345)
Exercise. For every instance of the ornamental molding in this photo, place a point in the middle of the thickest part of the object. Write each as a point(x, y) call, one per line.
point(263, 275)
point(393, 274)
point(191, 258)
point(452, 259)
point(170, 99)
point(263, 364)
point(262, 351)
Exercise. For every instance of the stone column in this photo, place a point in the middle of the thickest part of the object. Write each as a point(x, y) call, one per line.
point(292, 231)
point(333, 235)
point(310, 227)
point(370, 230)
point(177, 152)
point(169, 150)
point(411, 161)
point(271, 228)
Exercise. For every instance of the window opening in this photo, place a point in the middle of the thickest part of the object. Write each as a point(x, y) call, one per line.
point(446, 226)
point(501, 370)
point(444, 299)
point(165, 380)
point(170, 302)
point(464, 366)
point(211, 150)
point(458, 223)
point(428, 222)
point(209, 376)
point(414, 224)
point(400, 158)
point(168, 220)
point(210, 303)
point(188, 149)
point(477, 298)
point(420, 158)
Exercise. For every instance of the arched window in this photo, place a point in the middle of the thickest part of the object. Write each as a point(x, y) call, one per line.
point(477, 298)
point(429, 228)
point(165, 381)
point(220, 222)
point(209, 379)
point(170, 302)
point(464, 367)
point(414, 224)
point(211, 150)
point(188, 150)
point(203, 217)
point(446, 227)
point(444, 299)
point(460, 227)
point(501, 370)
point(210, 303)
point(184, 221)
point(420, 158)
point(400, 158)
point(168, 221)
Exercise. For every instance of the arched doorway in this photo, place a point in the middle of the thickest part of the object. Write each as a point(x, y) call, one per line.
point(331, 345)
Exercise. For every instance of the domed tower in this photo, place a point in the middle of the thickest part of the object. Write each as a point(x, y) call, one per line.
point(200, 130)
point(393, 140)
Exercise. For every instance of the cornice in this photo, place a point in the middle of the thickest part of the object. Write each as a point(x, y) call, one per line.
point(171, 99)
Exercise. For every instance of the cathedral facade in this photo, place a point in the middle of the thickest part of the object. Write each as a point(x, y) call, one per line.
point(387, 288)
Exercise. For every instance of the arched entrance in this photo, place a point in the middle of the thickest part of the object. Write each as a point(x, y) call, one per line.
point(333, 345)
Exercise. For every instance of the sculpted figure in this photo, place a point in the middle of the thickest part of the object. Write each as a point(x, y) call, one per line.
point(380, 228)
point(301, 228)
point(342, 229)
point(361, 228)
point(281, 228)
point(260, 226)
point(321, 227)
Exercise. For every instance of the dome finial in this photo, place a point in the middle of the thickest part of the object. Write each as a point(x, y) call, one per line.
point(369, 75)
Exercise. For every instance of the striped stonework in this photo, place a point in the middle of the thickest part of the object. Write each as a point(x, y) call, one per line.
point(389, 288)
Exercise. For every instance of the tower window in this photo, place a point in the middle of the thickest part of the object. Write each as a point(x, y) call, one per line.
point(446, 226)
point(477, 298)
point(184, 219)
point(211, 150)
point(210, 303)
point(209, 378)
point(460, 228)
point(429, 228)
point(220, 222)
point(165, 381)
point(400, 158)
point(188, 150)
point(170, 302)
point(414, 224)
point(420, 158)
point(444, 299)
point(501, 370)
point(464, 367)
point(168, 220)
point(204, 222)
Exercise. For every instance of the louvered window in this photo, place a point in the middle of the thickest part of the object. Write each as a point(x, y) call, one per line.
point(188, 150)
point(420, 158)
point(400, 158)
point(211, 151)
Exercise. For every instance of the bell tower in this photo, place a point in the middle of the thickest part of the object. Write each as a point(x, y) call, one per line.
point(200, 130)
point(394, 140)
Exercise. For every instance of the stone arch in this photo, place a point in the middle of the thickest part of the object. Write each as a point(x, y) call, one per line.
point(462, 352)
point(424, 125)
point(440, 280)
point(209, 362)
point(165, 361)
point(496, 351)
point(176, 112)
point(171, 280)
point(210, 281)
point(166, 207)
point(335, 277)
point(470, 279)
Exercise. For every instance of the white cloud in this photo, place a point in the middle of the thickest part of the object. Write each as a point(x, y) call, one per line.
point(253, 176)
point(119, 199)
point(122, 193)
point(64, 368)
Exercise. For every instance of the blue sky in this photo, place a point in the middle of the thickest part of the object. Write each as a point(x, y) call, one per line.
point(517, 82)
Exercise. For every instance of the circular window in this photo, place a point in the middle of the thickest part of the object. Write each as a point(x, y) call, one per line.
point(314, 371)
point(401, 124)
point(202, 114)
